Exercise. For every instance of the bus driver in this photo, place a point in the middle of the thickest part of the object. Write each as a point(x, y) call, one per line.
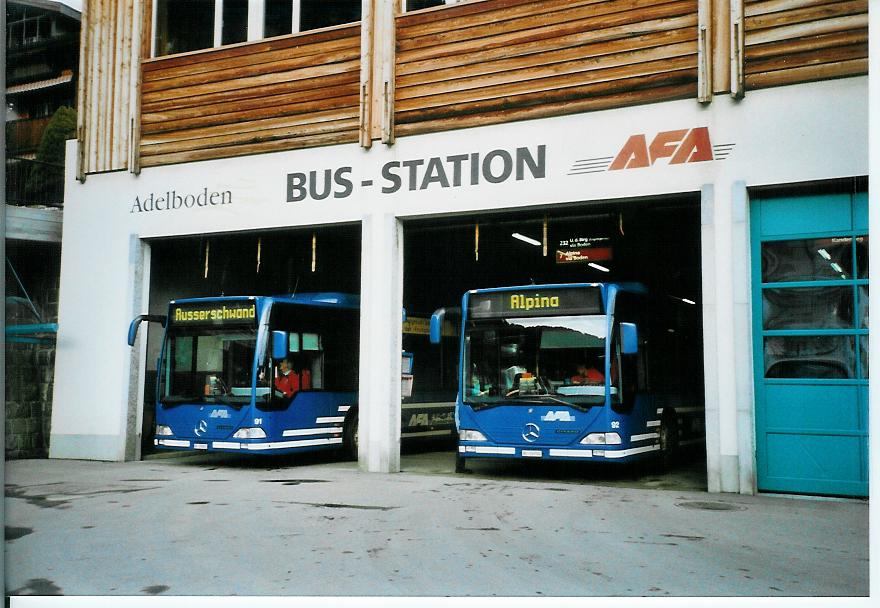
point(288, 381)
point(587, 374)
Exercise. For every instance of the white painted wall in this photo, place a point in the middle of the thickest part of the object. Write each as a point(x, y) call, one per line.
point(782, 135)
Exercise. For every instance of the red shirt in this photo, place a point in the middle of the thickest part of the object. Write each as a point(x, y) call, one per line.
point(293, 382)
point(592, 376)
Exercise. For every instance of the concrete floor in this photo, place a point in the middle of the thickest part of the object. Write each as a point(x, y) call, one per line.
point(222, 525)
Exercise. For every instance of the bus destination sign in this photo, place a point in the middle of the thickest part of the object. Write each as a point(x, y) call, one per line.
point(535, 303)
point(213, 313)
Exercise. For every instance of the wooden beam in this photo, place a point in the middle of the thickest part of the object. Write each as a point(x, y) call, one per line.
point(814, 28)
point(551, 83)
point(552, 100)
point(366, 92)
point(737, 43)
point(810, 14)
point(720, 46)
point(293, 143)
point(628, 98)
point(544, 39)
point(789, 60)
point(809, 73)
point(807, 43)
point(386, 50)
point(223, 114)
point(704, 52)
point(474, 64)
point(612, 13)
point(571, 72)
point(83, 88)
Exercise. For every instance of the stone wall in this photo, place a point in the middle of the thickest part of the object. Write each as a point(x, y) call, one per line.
point(29, 377)
point(30, 368)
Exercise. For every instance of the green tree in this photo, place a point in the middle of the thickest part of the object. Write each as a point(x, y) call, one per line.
point(46, 181)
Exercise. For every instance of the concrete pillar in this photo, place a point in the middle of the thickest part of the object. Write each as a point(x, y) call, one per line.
point(710, 337)
point(91, 388)
point(744, 382)
point(380, 336)
point(727, 337)
point(139, 270)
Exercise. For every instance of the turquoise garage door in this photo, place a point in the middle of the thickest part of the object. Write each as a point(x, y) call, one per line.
point(810, 324)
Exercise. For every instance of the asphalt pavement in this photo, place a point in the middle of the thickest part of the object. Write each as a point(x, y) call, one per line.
point(310, 526)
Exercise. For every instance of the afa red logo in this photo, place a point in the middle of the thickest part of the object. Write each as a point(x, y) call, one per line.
point(680, 146)
point(677, 147)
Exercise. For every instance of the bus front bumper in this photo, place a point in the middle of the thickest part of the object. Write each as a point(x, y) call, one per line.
point(253, 445)
point(474, 450)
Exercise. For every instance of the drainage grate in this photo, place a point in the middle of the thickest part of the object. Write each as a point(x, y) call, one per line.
point(710, 506)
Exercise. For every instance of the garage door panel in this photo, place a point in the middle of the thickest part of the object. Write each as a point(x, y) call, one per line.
point(812, 407)
point(806, 214)
point(814, 457)
point(814, 463)
point(820, 486)
point(809, 305)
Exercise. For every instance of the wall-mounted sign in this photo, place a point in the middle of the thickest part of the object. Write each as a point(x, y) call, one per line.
point(172, 200)
point(584, 249)
point(678, 147)
point(453, 171)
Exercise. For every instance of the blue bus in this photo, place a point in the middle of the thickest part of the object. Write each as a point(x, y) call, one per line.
point(263, 374)
point(586, 372)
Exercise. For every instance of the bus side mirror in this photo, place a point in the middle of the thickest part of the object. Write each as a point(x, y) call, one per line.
point(437, 320)
point(437, 325)
point(629, 337)
point(133, 327)
point(279, 344)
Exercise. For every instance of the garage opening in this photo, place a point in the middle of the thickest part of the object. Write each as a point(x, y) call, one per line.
point(291, 261)
point(653, 242)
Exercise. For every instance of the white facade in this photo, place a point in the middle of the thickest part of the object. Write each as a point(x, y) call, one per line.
point(782, 135)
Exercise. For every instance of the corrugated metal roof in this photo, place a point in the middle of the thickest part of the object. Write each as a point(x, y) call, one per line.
point(49, 5)
point(40, 84)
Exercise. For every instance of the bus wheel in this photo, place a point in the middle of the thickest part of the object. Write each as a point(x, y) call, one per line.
point(350, 436)
point(668, 442)
point(460, 464)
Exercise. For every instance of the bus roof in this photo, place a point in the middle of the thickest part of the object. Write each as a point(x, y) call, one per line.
point(625, 286)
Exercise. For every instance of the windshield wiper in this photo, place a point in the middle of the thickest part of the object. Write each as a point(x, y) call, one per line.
point(223, 400)
point(552, 398)
point(531, 399)
point(179, 400)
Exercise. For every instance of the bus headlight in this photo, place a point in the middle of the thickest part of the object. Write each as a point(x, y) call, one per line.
point(253, 432)
point(467, 435)
point(601, 439)
point(163, 430)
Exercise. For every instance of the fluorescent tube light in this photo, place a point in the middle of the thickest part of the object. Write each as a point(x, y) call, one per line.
point(598, 267)
point(526, 239)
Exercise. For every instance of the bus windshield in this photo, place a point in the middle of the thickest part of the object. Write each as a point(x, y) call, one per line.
point(208, 365)
point(553, 359)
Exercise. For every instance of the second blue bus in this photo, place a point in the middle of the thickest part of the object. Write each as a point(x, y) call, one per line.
point(587, 371)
